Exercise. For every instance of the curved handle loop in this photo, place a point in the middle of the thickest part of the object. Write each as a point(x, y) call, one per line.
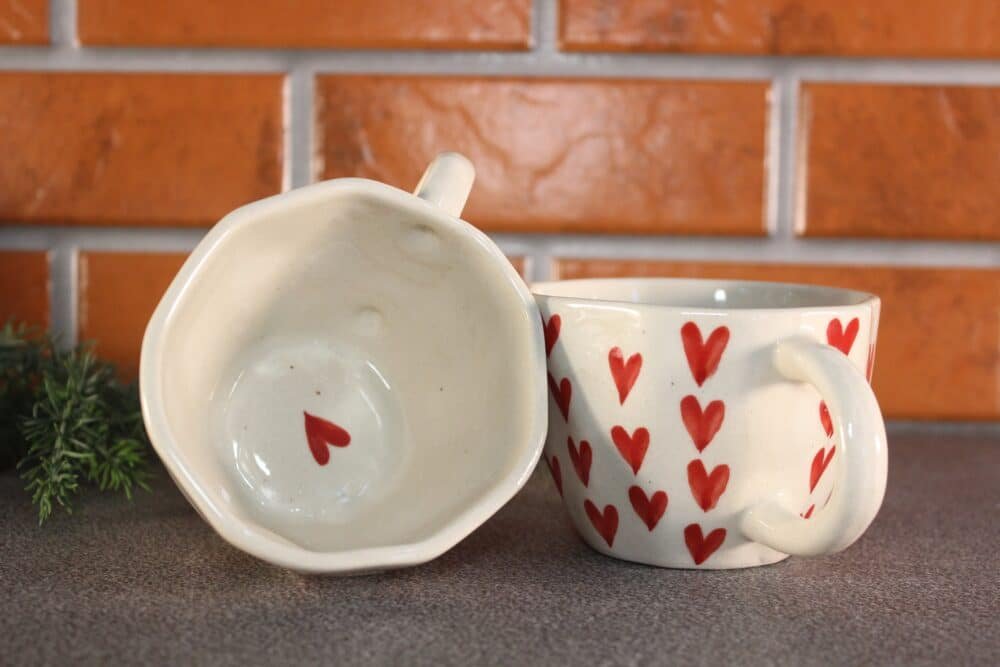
point(447, 182)
point(861, 463)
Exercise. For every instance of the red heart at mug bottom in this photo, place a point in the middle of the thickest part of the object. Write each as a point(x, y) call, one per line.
point(700, 546)
point(650, 510)
point(605, 524)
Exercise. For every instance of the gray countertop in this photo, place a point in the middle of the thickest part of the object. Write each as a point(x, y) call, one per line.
point(150, 582)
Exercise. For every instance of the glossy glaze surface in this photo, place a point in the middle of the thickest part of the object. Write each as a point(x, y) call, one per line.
point(712, 424)
point(330, 423)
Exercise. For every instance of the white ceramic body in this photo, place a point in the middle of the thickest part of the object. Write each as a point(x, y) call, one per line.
point(371, 309)
point(769, 433)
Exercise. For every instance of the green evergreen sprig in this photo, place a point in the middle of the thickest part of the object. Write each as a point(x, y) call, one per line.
point(65, 419)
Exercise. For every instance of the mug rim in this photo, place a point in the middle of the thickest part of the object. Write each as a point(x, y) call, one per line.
point(816, 297)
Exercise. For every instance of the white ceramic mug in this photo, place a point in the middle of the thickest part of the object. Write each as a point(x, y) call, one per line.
point(713, 424)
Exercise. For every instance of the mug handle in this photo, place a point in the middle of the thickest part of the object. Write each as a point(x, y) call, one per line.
point(447, 182)
point(861, 461)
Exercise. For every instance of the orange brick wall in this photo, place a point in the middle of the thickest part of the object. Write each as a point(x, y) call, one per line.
point(833, 141)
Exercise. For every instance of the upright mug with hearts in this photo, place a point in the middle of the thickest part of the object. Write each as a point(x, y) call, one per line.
point(713, 424)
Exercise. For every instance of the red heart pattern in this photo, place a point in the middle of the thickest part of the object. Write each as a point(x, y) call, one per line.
point(824, 418)
point(840, 338)
point(706, 487)
point(552, 333)
point(703, 357)
point(320, 434)
point(624, 372)
point(650, 510)
point(808, 513)
point(581, 459)
point(556, 472)
point(562, 393)
point(701, 547)
point(819, 464)
point(632, 448)
point(702, 425)
point(606, 523)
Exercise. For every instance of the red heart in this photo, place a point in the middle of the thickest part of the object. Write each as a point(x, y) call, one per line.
point(606, 524)
point(649, 509)
point(320, 433)
point(842, 339)
point(563, 393)
point(701, 547)
point(703, 358)
point(707, 488)
point(702, 426)
point(556, 472)
point(581, 459)
point(633, 448)
point(624, 372)
point(819, 465)
point(824, 418)
point(808, 513)
point(552, 333)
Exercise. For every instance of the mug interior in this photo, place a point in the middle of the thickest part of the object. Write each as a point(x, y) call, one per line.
point(704, 294)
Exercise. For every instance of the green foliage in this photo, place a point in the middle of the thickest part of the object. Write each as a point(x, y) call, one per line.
point(65, 419)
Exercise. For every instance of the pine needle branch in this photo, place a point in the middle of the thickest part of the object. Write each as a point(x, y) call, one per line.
point(66, 419)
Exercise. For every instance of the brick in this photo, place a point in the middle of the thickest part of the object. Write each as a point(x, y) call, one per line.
point(24, 22)
point(900, 161)
point(937, 355)
point(390, 24)
point(119, 292)
point(556, 155)
point(137, 149)
point(24, 287)
point(925, 28)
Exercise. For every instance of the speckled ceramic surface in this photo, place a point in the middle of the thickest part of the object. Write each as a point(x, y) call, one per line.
point(346, 377)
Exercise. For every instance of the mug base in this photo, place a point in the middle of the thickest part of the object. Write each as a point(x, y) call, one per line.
point(719, 561)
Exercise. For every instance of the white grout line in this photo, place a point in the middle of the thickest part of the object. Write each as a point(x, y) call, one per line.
point(782, 171)
point(541, 62)
point(64, 274)
point(769, 250)
point(545, 26)
point(62, 25)
point(301, 122)
point(541, 246)
point(133, 239)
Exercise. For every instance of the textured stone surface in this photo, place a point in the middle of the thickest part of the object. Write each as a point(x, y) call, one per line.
point(899, 161)
point(920, 28)
point(937, 354)
point(137, 149)
point(148, 582)
point(440, 24)
point(562, 155)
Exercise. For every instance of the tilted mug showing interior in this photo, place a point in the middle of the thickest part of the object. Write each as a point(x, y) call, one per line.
point(713, 424)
